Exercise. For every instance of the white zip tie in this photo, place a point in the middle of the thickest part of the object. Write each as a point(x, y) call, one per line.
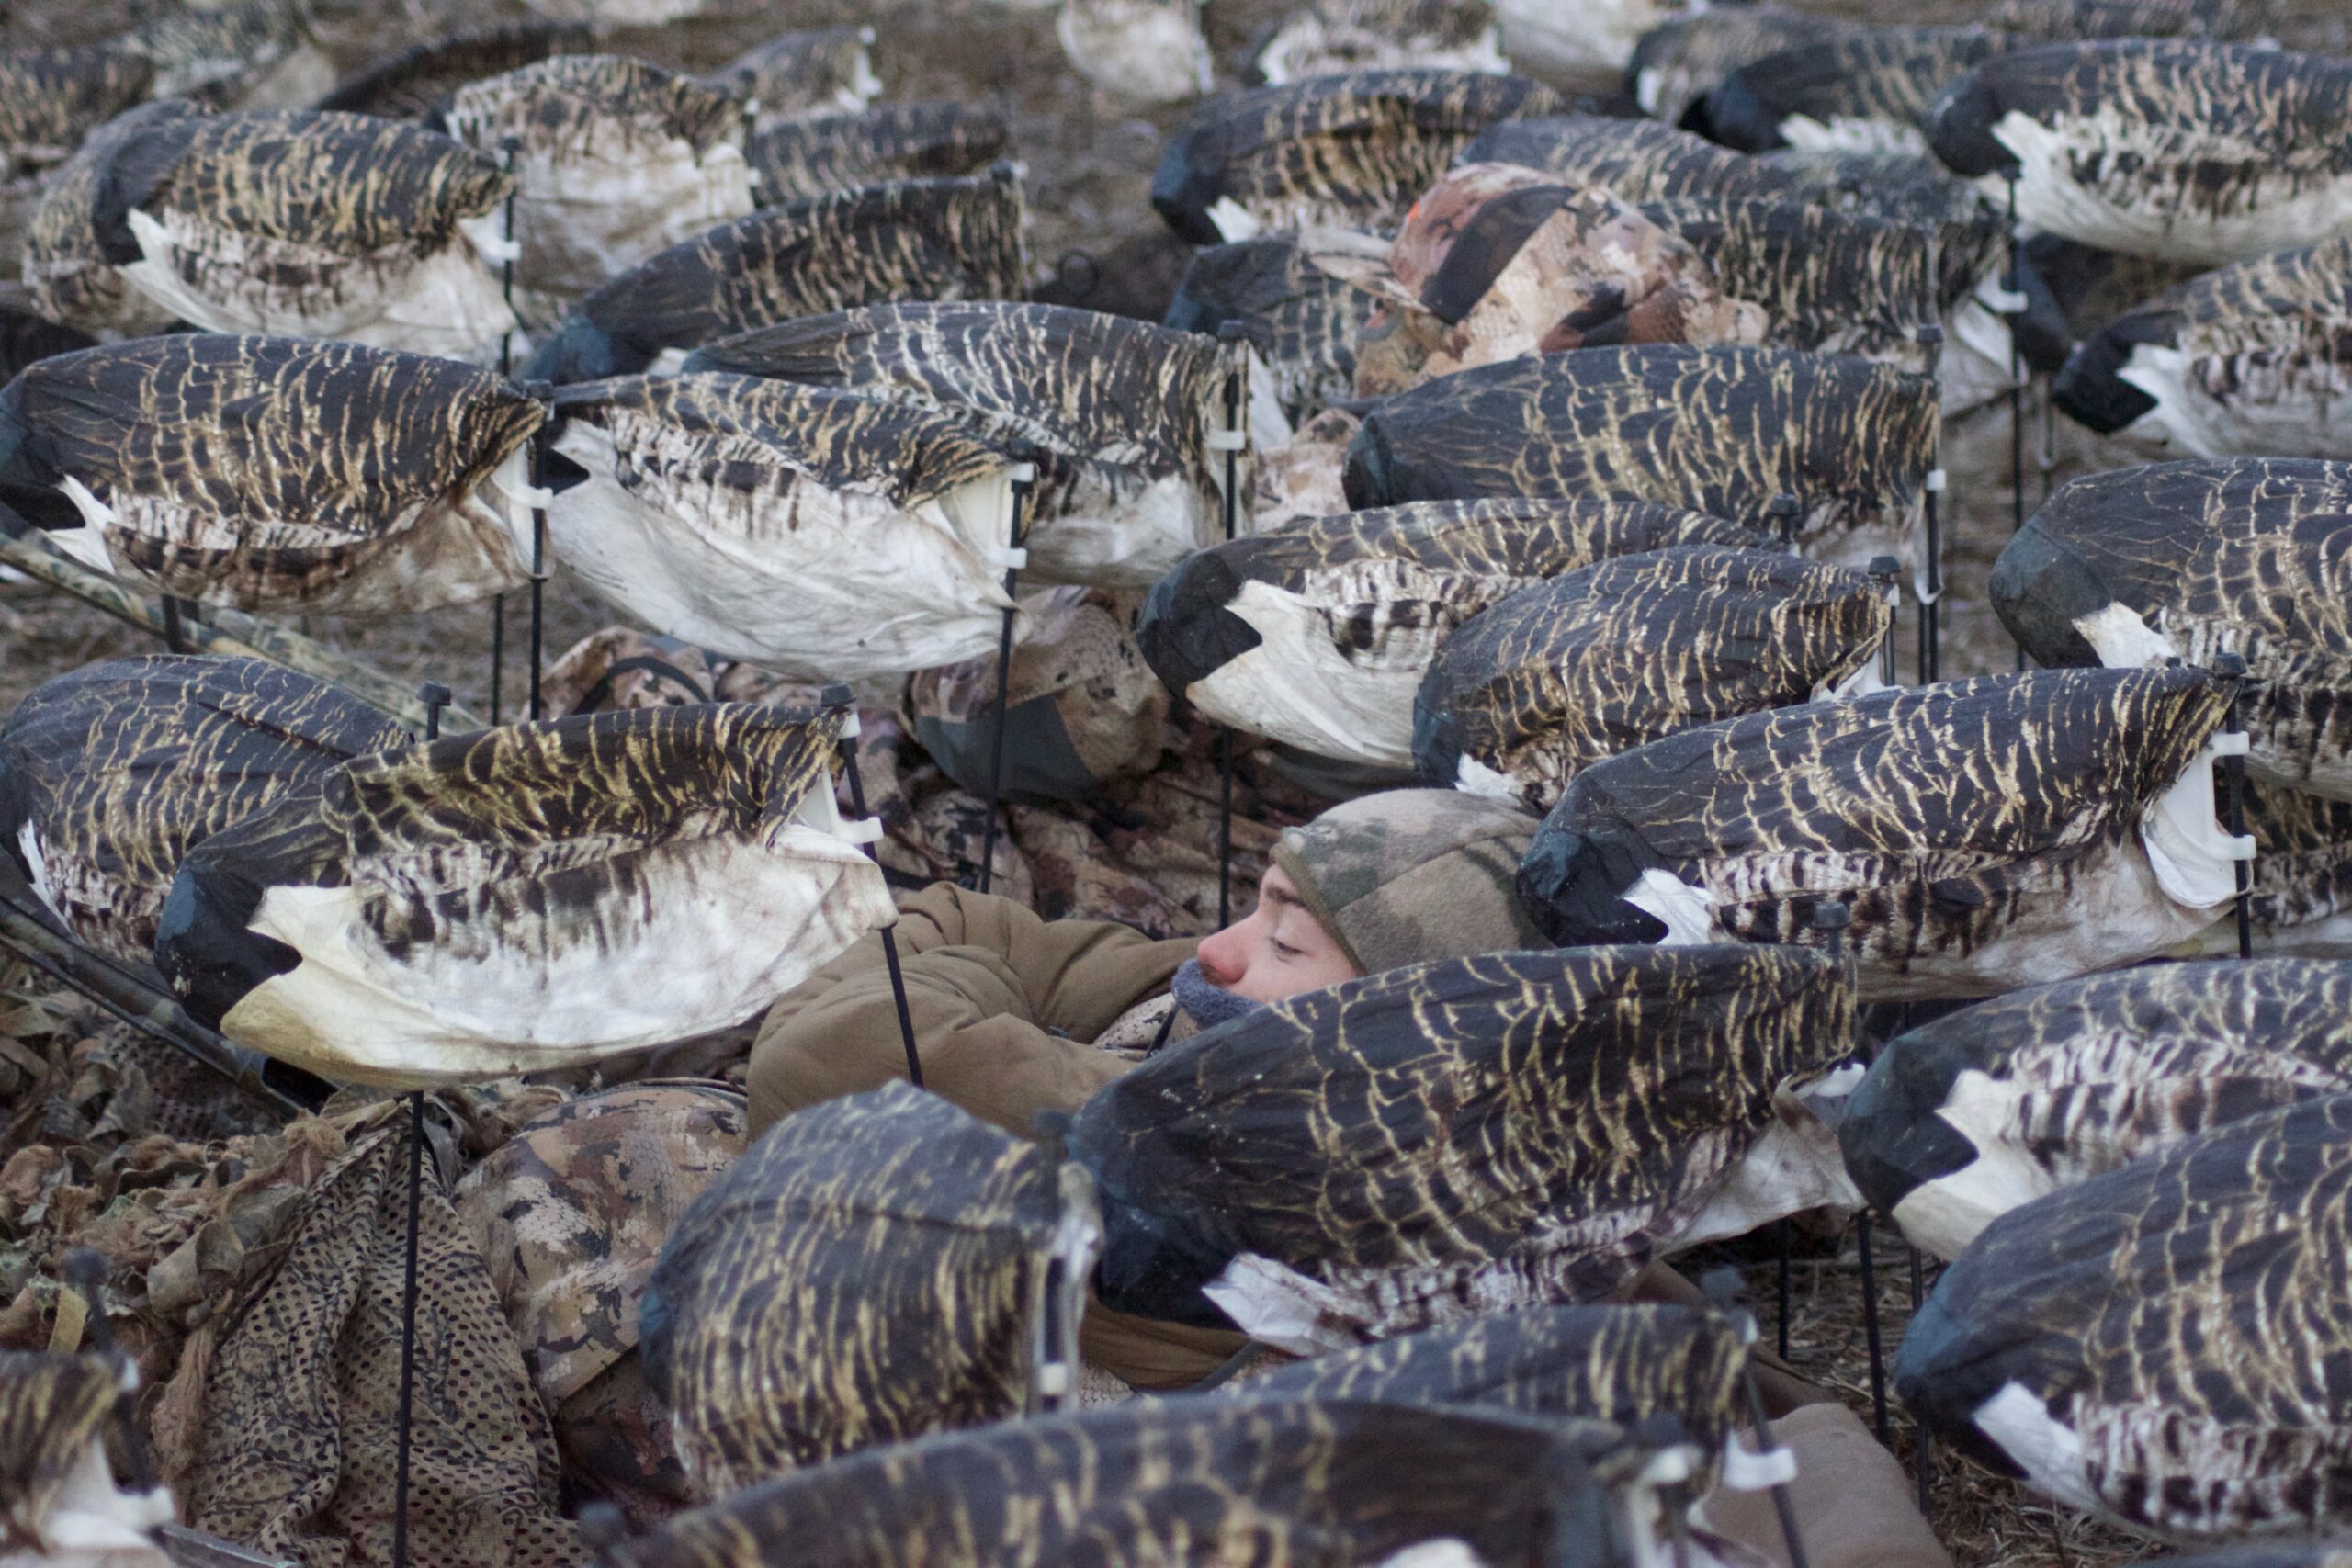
point(1229, 441)
point(1745, 1471)
point(863, 831)
point(1005, 555)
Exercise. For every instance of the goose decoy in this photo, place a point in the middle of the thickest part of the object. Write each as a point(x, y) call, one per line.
point(873, 1270)
point(416, 80)
point(616, 160)
point(825, 153)
point(51, 99)
point(1327, 38)
point(1586, 43)
point(1637, 158)
point(2089, 288)
point(310, 225)
point(60, 1500)
point(66, 271)
point(2254, 357)
point(2300, 902)
point(1985, 1109)
point(1676, 64)
point(1869, 89)
point(1149, 52)
point(1447, 1140)
point(1318, 635)
point(247, 54)
point(939, 239)
point(2186, 150)
point(822, 534)
point(830, 69)
point(539, 895)
point(1119, 413)
point(1351, 151)
point(2244, 556)
point(1316, 1484)
point(1955, 839)
point(109, 776)
point(27, 338)
point(276, 473)
point(1303, 322)
point(1545, 682)
point(2161, 1346)
point(1724, 430)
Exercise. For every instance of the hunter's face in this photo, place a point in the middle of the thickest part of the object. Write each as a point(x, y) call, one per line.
point(1279, 951)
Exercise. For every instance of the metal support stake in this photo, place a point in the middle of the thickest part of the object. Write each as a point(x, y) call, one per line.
point(507, 148)
point(1231, 440)
point(1923, 1453)
point(1929, 584)
point(1783, 511)
point(1722, 1285)
point(2234, 666)
point(1787, 1294)
point(544, 395)
point(1024, 474)
point(2014, 309)
point(2047, 458)
point(1870, 1330)
point(839, 696)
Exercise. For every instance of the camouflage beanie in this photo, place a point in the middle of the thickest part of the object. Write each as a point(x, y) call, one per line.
point(1414, 876)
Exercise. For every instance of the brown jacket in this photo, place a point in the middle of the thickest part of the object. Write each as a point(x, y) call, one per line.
point(1005, 1006)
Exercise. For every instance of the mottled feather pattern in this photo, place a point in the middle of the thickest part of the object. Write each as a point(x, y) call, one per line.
point(1887, 76)
point(1303, 322)
point(51, 1409)
point(824, 152)
point(420, 77)
point(50, 98)
point(1639, 160)
point(64, 265)
point(2303, 863)
point(562, 101)
point(1832, 282)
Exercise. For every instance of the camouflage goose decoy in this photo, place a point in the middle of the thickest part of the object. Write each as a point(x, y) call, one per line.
point(1981, 1111)
point(825, 153)
point(51, 99)
point(2244, 556)
point(1119, 413)
point(873, 1270)
point(946, 239)
point(1318, 635)
point(110, 775)
point(416, 80)
point(1677, 63)
point(539, 895)
point(1955, 839)
point(2091, 287)
point(1724, 430)
point(308, 225)
point(1867, 89)
point(2254, 357)
point(1350, 150)
point(1303, 322)
point(1327, 36)
point(2162, 1346)
point(2191, 150)
point(1584, 42)
point(276, 473)
point(1150, 51)
point(59, 1499)
point(248, 54)
point(825, 536)
point(1637, 158)
point(830, 69)
point(1597, 660)
point(616, 160)
point(1452, 1139)
point(65, 265)
point(1309, 1484)
point(2300, 903)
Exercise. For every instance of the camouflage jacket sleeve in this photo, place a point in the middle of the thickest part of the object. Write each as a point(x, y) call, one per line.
point(1005, 1004)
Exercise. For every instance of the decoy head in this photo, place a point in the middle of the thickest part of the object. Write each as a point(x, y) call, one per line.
point(1186, 631)
point(1573, 886)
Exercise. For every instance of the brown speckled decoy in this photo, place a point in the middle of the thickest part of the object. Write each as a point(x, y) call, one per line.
point(2254, 357)
point(51, 99)
point(873, 1270)
point(1720, 430)
point(59, 1499)
point(416, 80)
point(2162, 1346)
point(828, 69)
point(1867, 88)
point(2244, 556)
point(110, 775)
point(1118, 412)
point(1303, 322)
point(1318, 635)
point(1450, 1139)
point(826, 536)
point(65, 265)
point(2183, 149)
point(1953, 839)
point(539, 895)
point(1549, 681)
point(1325, 38)
point(820, 153)
point(275, 473)
point(1961, 1120)
point(933, 239)
point(1351, 151)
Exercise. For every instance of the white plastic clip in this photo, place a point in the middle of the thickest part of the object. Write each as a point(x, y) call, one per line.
point(1023, 473)
point(2230, 743)
point(1745, 1471)
point(2004, 301)
point(1229, 441)
point(1008, 558)
point(862, 830)
point(850, 729)
point(1936, 479)
point(1053, 1379)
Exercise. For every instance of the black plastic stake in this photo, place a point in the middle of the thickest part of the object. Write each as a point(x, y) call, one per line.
point(1788, 1295)
point(1923, 1452)
point(1870, 1330)
point(1930, 585)
point(1784, 510)
point(497, 657)
point(1887, 573)
point(2014, 308)
point(1235, 339)
point(543, 394)
point(2233, 769)
point(1024, 474)
point(507, 147)
point(1721, 1286)
point(839, 697)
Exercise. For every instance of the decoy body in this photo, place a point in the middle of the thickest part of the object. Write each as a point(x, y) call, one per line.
point(51, 99)
point(65, 266)
point(524, 898)
point(1118, 413)
point(249, 54)
point(616, 160)
point(1303, 322)
point(1327, 36)
point(848, 150)
point(1637, 158)
point(2193, 560)
point(276, 473)
point(830, 69)
point(1981, 1111)
point(1586, 42)
point(1544, 1122)
point(2182, 149)
point(873, 1270)
point(1677, 63)
point(1723, 430)
point(1953, 839)
point(1351, 151)
point(418, 79)
point(2253, 358)
point(313, 225)
point(827, 535)
point(926, 239)
point(108, 776)
point(1318, 635)
point(59, 1499)
point(1863, 88)
point(1151, 51)
point(1597, 660)
point(2162, 1346)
